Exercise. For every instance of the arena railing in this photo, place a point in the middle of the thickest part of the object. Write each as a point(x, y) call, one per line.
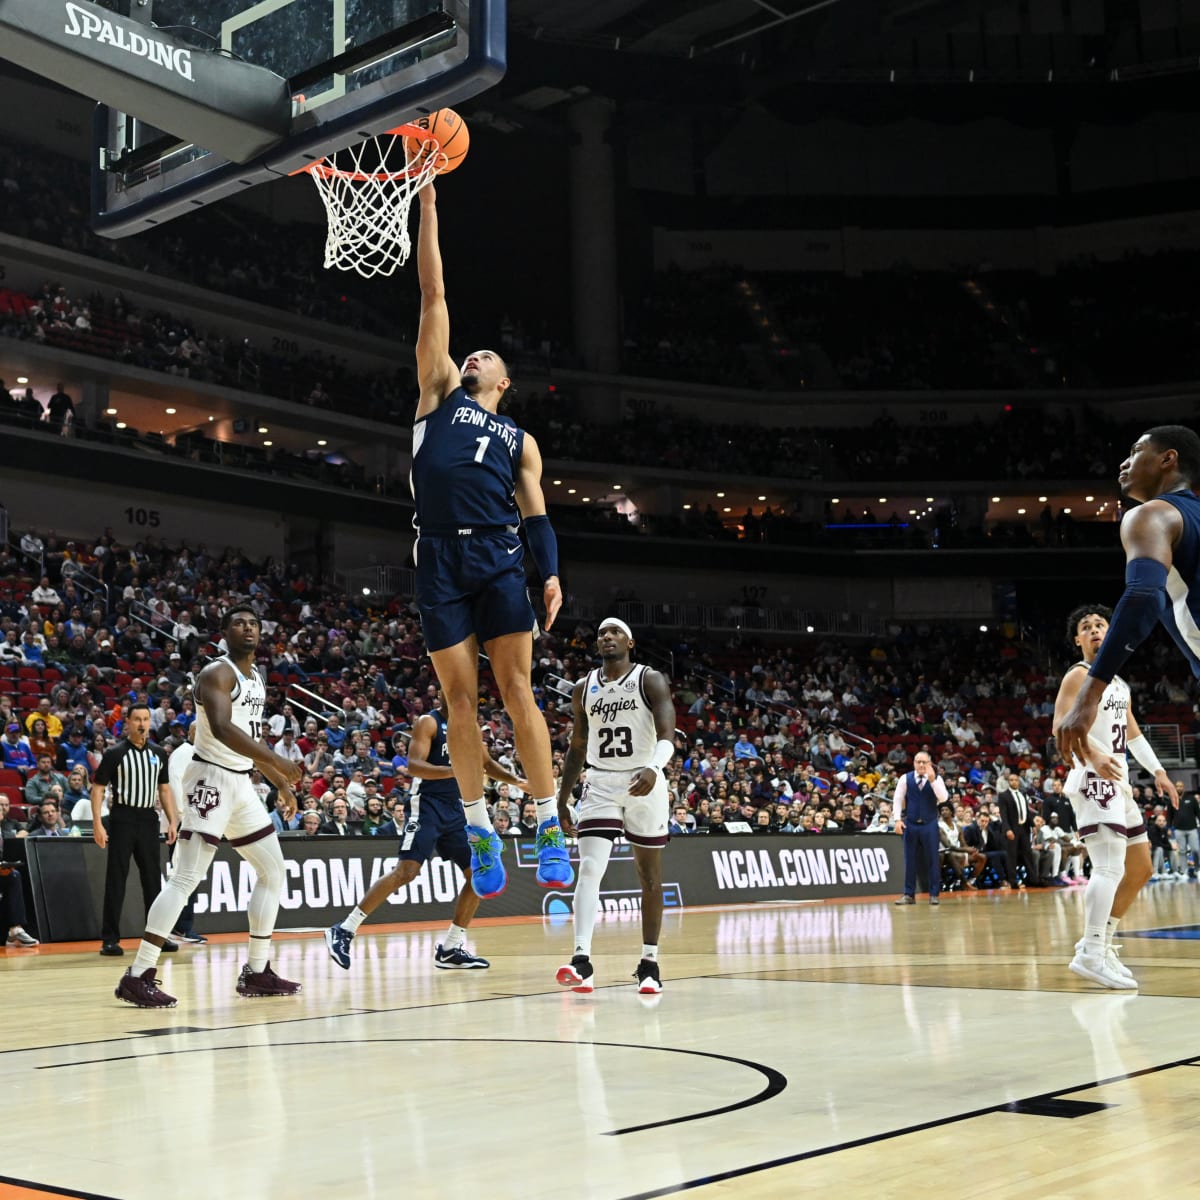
point(1167, 742)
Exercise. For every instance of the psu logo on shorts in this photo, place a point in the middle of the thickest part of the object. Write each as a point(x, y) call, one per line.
point(202, 799)
point(411, 828)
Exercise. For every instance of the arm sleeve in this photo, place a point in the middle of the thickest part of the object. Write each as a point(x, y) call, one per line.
point(899, 796)
point(939, 790)
point(164, 774)
point(1142, 604)
point(543, 546)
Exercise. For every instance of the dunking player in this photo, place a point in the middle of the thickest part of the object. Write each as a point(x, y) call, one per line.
point(1162, 570)
point(1111, 825)
point(475, 477)
point(624, 731)
point(219, 800)
point(434, 822)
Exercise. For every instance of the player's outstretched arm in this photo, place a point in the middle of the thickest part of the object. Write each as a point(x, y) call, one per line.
point(539, 533)
point(436, 373)
point(1106, 765)
point(574, 760)
point(1149, 534)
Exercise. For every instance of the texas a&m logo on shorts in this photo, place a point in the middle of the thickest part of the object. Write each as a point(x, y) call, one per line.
point(202, 799)
point(1102, 791)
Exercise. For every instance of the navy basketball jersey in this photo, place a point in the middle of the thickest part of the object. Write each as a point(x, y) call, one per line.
point(1182, 617)
point(439, 756)
point(464, 467)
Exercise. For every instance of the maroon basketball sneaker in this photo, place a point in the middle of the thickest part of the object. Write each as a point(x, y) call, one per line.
point(143, 990)
point(264, 983)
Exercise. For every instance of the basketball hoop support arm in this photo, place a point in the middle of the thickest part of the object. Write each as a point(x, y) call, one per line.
point(230, 107)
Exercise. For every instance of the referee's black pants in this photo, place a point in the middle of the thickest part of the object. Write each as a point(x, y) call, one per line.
point(132, 833)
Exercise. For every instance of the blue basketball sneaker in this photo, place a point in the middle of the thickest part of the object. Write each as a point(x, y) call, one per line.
point(459, 958)
point(337, 941)
point(488, 877)
point(554, 864)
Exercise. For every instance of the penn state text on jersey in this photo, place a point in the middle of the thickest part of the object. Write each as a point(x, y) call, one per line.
point(464, 468)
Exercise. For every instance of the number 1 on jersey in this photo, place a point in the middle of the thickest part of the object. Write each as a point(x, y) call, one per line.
point(482, 442)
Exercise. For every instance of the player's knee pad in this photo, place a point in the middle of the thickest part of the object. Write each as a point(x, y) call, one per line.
point(266, 857)
point(594, 853)
point(193, 857)
point(1106, 849)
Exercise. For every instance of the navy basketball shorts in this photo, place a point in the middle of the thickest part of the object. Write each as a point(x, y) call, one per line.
point(435, 827)
point(473, 584)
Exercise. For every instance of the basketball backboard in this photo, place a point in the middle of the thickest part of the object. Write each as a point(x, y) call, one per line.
point(362, 67)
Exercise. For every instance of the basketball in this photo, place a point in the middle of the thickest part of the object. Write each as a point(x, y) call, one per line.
point(452, 135)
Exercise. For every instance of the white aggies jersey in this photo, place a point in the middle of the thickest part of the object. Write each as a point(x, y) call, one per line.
point(1110, 730)
point(249, 695)
point(621, 731)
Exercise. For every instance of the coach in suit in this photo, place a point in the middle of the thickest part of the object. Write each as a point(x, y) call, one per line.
point(338, 824)
point(983, 837)
point(916, 801)
point(1017, 821)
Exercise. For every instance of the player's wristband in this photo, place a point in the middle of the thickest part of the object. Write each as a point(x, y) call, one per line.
point(1141, 605)
point(543, 545)
point(663, 753)
point(1141, 749)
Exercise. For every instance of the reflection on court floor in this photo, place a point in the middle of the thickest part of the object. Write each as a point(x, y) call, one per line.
point(788, 1039)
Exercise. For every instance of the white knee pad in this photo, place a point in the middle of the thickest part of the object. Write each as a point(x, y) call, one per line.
point(266, 857)
point(594, 853)
point(1106, 849)
point(1107, 852)
point(193, 857)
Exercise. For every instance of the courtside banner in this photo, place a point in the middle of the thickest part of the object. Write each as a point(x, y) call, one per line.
point(326, 877)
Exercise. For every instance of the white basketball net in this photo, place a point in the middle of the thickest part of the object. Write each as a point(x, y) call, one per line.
point(367, 199)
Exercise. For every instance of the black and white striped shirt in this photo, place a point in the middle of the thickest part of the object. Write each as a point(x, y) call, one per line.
point(134, 775)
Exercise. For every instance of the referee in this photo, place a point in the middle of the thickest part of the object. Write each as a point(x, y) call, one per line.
point(137, 773)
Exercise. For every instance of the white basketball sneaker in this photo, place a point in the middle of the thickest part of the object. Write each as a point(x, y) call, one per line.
point(1111, 958)
point(1096, 969)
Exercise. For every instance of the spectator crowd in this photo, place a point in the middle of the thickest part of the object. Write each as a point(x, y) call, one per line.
point(800, 740)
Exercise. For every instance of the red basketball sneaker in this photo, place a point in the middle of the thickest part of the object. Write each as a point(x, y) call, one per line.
point(143, 990)
point(264, 983)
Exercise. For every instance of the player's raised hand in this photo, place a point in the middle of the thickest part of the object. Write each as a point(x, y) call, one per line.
point(552, 595)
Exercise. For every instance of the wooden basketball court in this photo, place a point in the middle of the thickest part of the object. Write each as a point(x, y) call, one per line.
point(851, 1048)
